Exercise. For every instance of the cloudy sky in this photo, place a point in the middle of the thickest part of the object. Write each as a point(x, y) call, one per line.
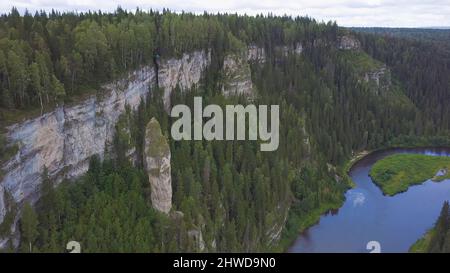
point(387, 13)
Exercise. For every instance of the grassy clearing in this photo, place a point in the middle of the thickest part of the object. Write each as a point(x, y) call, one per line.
point(396, 173)
point(361, 61)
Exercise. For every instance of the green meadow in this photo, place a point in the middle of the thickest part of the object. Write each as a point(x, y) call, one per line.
point(395, 173)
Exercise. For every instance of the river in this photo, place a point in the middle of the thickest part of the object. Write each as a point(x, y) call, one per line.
point(395, 222)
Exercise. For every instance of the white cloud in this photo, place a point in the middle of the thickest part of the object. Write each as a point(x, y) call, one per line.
point(392, 13)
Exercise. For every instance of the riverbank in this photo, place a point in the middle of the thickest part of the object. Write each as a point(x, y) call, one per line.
point(331, 233)
point(314, 217)
point(306, 222)
point(422, 245)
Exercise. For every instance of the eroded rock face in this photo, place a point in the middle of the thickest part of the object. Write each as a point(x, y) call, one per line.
point(157, 165)
point(63, 140)
point(184, 72)
point(348, 42)
point(380, 79)
point(237, 76)
point(256, 54)
point(286, 50)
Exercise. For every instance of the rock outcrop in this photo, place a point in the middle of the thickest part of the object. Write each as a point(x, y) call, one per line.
point(256, 54)
point(184, 72)
point(237, 76)
point(286, 50)
point(157, 165)
point(347, 42)
point(379, 79)
point(63, 140)
point(196, 236)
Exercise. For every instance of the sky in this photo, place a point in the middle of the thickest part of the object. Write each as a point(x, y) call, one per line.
point(364, 13)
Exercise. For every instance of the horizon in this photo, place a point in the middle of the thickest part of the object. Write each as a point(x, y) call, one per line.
point(346, 13)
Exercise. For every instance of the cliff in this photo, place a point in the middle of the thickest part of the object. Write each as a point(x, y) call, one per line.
point(63, 140)
point(348, 42)
point(237, 76)
point(184, 72)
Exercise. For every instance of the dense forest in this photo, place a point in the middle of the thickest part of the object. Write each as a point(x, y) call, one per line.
point(228, 190)
point(423, 67)
point(48, 58)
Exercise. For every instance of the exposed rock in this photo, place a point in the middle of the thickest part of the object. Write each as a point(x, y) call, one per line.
point(379, 78)
point(440, 175)
point(348, 42)
point(274, 232)
point(298, 48)
point(63, 140)
point(237, 76)
point(338, 178)
point(256, 54)
point(157, 165)
point(441, 172)
point(197, 236)
point(286, 50)
point(319, 42)
point(177, 215)
point(2, 201)
point(184, 72)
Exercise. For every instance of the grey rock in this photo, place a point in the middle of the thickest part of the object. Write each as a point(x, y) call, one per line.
point(348, 42)
point(63, 140)
point(157, 165)
point(237, 76)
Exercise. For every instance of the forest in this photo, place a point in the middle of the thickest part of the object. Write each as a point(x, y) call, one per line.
point(437, 239)
point(229, 190)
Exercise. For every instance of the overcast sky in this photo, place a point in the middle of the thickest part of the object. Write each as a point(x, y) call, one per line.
point(387, 13)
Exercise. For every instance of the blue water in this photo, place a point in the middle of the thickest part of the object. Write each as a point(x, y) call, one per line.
point(396, 222)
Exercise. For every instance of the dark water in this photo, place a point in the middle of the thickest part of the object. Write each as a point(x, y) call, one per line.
point(367, 215)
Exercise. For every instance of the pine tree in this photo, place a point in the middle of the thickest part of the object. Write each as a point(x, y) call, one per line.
point(28, 227)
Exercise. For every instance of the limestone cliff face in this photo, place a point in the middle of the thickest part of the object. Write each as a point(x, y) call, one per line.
point(184, 72)
point(348, 42)
point(157, 165)
point(63, 140)
point(237, 73)
point(256, 54)
point(237, 76)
